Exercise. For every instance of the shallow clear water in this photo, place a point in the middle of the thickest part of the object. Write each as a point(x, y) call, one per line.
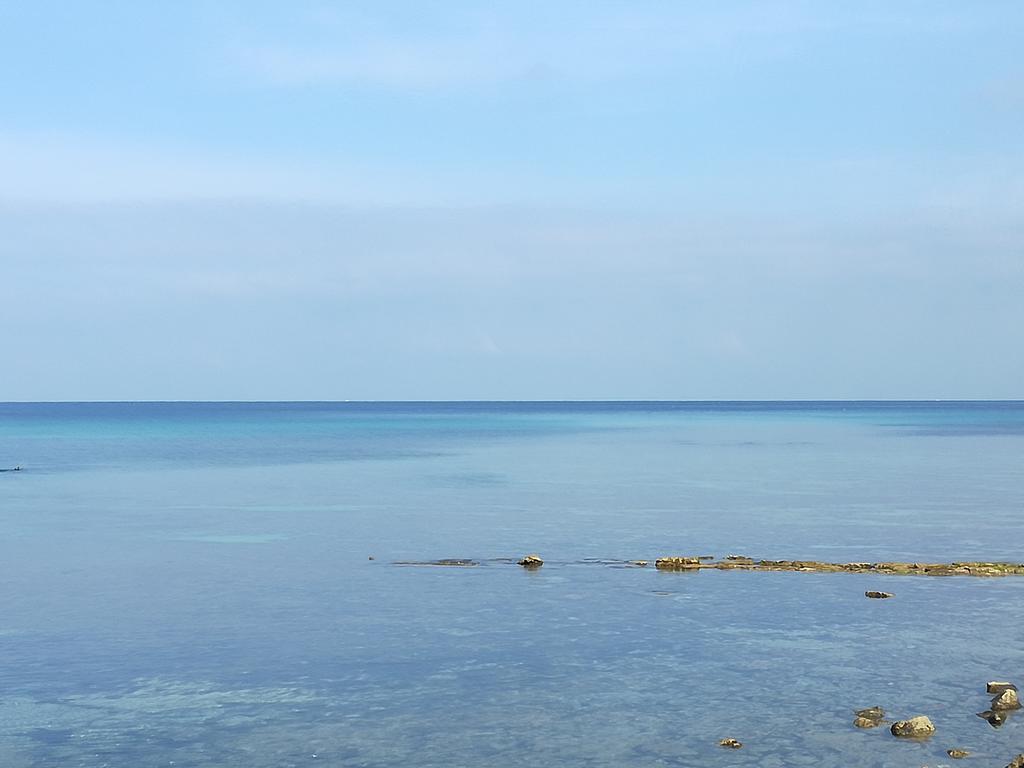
point(189, 584)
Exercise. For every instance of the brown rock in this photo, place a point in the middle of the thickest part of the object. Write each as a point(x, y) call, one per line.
point(1006, 700)
point(677, 563)
point(998, 686)
point(1017, 762)
point(867, 722)
point(957, 754)
point(730, 743)
point(877, 595)
point(531, 561)
point(914, 728)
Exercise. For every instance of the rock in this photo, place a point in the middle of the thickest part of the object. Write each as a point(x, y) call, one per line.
point(957, 754)
point(640, 563)
point(531, 561)
point(875, 713)
point(995, 719)
point(677, 563)
point(1006, 700)
point(371, 557)
point(730, 743)
point(914, 728)
point(1017, 762)
point(877, 595)
point(998, 686)
point(867, 722)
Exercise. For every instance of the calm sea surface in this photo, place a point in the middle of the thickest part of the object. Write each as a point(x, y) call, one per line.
point(191, 584)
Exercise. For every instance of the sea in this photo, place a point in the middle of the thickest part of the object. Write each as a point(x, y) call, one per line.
point(249, 585)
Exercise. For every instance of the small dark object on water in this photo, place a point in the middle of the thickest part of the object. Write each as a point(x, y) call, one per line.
point(730, 743)
point(371, 557)
point(995, 719)
point(877, 595)
point(957, 754)
point(12, 469)
point(531, 561)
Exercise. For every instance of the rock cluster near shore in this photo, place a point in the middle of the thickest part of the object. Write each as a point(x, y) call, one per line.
point(739, 562)
point(1003, 702)
point(743, 563)
point(1005, 697)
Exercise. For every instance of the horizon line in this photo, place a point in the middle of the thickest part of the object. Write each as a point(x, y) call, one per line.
point(526, 401)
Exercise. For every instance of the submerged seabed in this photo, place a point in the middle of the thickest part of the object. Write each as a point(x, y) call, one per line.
point(189, 584)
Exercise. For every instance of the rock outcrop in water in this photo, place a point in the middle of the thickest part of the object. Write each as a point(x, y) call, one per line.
point(958, 754)
point(1006, 700)
point(914, 728)
point(1017, 762)
point(877, 595)
point(730, 743)
point(869, 718)
point(737, 562)
point(742, 563)
point(995, 719)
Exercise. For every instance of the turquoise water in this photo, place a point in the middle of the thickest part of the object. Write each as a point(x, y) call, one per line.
point(190, 584)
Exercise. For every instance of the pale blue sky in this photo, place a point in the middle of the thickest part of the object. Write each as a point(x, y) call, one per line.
point(387, 200)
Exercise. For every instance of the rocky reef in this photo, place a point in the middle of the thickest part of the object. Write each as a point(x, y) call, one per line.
point(739, 562)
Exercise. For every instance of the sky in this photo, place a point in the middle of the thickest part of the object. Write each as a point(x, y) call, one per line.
point(524, 200)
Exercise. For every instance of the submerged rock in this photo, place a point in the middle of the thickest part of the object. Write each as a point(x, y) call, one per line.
point(995, 719)
point(640, 563)
point(730, 743)
point(877, 595)
point(998, 686)
point(1006, 700)
point(874, 713)
point(869, 718)
point(914, 728)
point(448, 561)
point(958, 754)
point(531, 561)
